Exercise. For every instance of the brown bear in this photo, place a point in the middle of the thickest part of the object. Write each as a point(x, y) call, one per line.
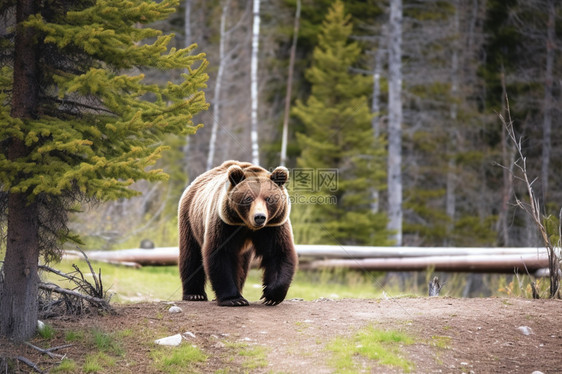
point(227, 216)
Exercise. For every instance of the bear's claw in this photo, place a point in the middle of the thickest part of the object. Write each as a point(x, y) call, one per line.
point(234, 302)
point(271, 302)
point(195, 297)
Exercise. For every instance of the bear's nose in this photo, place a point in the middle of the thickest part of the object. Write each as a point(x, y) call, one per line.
point(259, 219)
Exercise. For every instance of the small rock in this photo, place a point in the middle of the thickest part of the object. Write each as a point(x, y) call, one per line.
point(40, 326)
point(537, 372)
point(172, 341)
point(175, 309)
point(525, 330)
point(188, 334)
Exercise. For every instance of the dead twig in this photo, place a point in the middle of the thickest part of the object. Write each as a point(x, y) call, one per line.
point(49, 352)
point(29, 363)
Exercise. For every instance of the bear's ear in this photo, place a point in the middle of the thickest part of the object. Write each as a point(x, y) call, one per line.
point(280, 175)
point(235, 175)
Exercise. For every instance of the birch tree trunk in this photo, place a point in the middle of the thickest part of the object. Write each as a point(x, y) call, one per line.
point(375, 108)
point(187, 23)
point(548, 101)
point(395, 122)
point(450, 200)
point(254, 82)
point(218, 86)
point(187, 42)
point(285, 136)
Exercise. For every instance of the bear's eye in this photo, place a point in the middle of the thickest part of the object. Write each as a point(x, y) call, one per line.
point(270, 199)
point(246, 200)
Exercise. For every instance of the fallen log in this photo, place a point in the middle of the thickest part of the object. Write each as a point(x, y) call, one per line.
point(357, 252)
point(471, 263)
point(465, 259)
point(131, 257)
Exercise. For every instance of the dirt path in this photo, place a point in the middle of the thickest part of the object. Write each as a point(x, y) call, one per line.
point(451, 335)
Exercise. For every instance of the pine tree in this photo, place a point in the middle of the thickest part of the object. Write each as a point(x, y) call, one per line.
point(79, 121)
point(338, 136)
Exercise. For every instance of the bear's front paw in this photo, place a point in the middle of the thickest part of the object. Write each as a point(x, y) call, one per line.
point(239, 301)
point(273, 295)
point(195, 297)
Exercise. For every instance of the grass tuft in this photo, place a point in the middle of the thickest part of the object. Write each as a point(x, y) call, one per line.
point(46, 332)
point(177, 359)
point(98, 362)
point(382, 346)
point(105, 342)
point(66, 366)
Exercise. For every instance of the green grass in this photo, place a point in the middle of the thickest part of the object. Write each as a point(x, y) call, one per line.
point(440, 341)
point(382, 346)
point(153, 283)
point(105, 342)
point(97, 362)
point(66, 366)
point(46, 332)
point(74, 336)
point(254, 356)
point(177, 359)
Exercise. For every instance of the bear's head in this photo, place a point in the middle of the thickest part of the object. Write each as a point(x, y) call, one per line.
point(255, 198)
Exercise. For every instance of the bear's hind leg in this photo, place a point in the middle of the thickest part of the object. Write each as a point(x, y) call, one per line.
point(191, 268)
point(244, 267)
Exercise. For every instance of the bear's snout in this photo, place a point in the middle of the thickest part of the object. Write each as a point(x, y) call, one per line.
point(259, 219)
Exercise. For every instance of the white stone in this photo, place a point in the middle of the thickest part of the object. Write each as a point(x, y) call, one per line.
point(188, 334)
point(172, 341)
point(525, 330)
point(175, 309)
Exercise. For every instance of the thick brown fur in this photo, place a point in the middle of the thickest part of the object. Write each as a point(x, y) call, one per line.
point(227, 216)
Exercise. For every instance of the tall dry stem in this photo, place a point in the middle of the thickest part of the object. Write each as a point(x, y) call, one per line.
point(533, 207)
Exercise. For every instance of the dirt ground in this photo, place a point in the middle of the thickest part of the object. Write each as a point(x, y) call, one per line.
point(480, 335)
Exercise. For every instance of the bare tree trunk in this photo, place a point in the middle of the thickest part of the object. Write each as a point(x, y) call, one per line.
point(508, 158)
point(395, 122)
point(450, 199)
point(548, 102)
point(218, 85)
point(187, 43)
point(290, 86)
point(254, 82)
point(375, 108)
point(18, 301)
point(187, 23)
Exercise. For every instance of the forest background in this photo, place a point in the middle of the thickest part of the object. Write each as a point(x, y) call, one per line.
point(459, 60)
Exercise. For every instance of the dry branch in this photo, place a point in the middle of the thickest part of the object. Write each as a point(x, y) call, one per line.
point(29, 363)
point(49, 351)
point(533, 207)
point(95, 301)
